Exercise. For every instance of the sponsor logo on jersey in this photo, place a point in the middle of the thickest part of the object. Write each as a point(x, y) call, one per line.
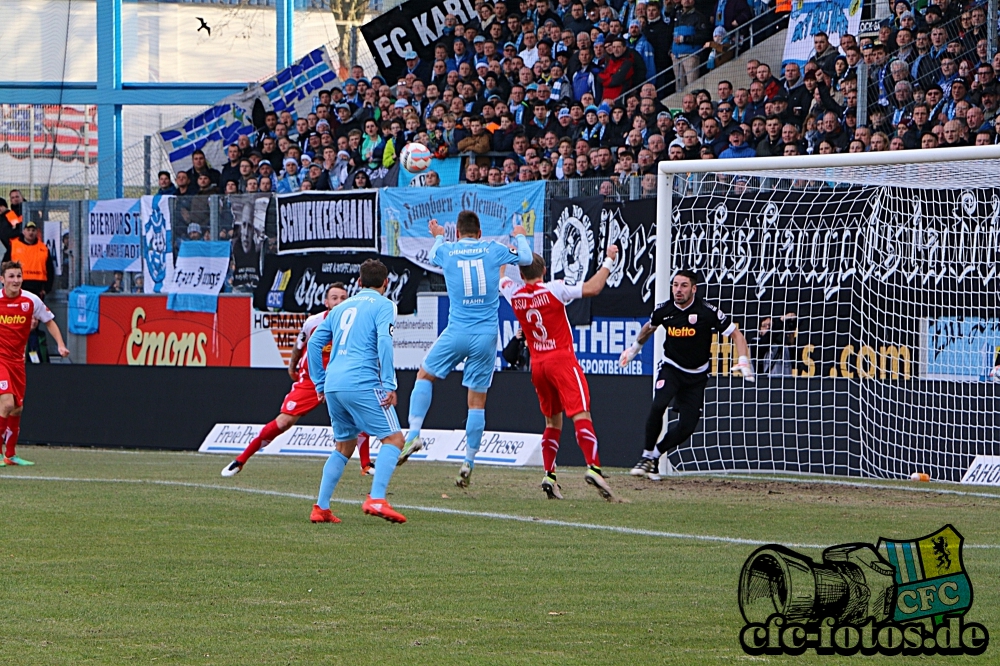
point(692, 319)
point(13, 320)
point(680, 332)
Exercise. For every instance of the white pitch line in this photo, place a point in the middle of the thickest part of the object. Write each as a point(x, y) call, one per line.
point(455, 512)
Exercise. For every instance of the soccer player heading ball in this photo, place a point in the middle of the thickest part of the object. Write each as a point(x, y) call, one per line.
point(359, 388)
point(17, 309)
point(471, 268)
point(689, 323)
point(540, 307)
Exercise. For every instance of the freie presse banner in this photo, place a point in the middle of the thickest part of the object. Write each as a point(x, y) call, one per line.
point(328, 221)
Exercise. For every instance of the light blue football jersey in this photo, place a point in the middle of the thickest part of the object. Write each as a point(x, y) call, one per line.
point(360, 333)
point(471, 270)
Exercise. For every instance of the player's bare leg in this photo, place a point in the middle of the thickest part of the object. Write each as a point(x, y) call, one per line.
point(420, 403)
point(475, 424)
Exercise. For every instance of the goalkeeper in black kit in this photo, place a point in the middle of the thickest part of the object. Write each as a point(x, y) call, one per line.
point(689, 322)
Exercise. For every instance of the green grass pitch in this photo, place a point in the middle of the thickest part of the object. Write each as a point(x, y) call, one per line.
point(196, 573)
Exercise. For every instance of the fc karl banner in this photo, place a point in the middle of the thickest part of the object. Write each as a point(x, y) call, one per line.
point(297, 283)
point(113, 235)
point(407, 210)
point(415, 25)
point(328, 221)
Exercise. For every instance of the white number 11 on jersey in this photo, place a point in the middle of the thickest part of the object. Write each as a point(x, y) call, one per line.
point(467, 265)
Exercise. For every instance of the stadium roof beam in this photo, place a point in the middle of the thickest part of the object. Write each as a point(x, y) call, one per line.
point(110, 93)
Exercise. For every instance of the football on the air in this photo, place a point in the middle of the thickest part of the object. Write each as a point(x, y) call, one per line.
point(415, 157)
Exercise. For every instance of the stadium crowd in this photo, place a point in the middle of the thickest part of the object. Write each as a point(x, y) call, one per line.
point(532, 90)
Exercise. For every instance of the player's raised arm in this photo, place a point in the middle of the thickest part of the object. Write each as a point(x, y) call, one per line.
point(595, 285)
point(438, 232)
point(524, 254)
point(322, 336)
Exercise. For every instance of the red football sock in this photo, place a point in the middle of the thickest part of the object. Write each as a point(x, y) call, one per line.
point(366, 459)
point(3, 431)
point(550, 447)
point(266, 436)
point(12, 431)
point(586, 438)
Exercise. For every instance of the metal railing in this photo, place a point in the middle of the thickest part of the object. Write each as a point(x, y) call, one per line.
point(742, 38)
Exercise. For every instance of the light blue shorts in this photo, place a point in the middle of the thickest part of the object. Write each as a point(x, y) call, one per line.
point(479, 351)
point(353, 412)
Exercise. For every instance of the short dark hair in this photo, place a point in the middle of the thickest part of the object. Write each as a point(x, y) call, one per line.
point(7, 265)
point(534, 270)
point(373, 273)
point(468, 223)
point(688, 273)
point(165, 173)
point(336, 285)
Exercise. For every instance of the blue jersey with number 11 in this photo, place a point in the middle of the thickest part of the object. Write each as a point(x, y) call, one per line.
point(471, 270)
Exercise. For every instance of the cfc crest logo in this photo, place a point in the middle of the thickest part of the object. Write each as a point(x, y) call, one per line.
point(680, 332)
point(930, 577)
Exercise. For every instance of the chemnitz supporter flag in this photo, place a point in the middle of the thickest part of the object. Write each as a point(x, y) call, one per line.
point(297, 283)
point(328, 221)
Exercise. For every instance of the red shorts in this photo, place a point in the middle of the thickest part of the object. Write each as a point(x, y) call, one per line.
point(561, 386)
point(301, 400)
point(12, 380)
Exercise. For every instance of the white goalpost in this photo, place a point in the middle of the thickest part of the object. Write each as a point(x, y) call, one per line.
point(869, 288)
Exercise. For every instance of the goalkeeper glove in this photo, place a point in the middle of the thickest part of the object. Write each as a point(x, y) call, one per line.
point(995, 374)
point(746, 370)
point(629, 354)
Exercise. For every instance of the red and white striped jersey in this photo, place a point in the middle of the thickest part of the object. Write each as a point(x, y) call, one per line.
point(302, 341)
point(541, 310)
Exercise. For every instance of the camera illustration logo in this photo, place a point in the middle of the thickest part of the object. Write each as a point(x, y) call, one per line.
point(899, 597)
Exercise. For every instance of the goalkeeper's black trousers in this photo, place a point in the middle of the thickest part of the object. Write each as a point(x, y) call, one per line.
point(687, 391)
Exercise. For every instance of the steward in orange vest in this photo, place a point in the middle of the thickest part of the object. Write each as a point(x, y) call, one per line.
point(37, 265)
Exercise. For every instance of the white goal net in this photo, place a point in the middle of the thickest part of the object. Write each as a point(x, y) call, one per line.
point(870, 295)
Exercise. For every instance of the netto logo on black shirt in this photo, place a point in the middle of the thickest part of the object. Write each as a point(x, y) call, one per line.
point(680, 331)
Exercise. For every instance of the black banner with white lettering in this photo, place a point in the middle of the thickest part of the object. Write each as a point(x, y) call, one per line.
point(631, 225)
point(574, 253)
point(416, 25)
point(328, 221)
point(297, 282)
